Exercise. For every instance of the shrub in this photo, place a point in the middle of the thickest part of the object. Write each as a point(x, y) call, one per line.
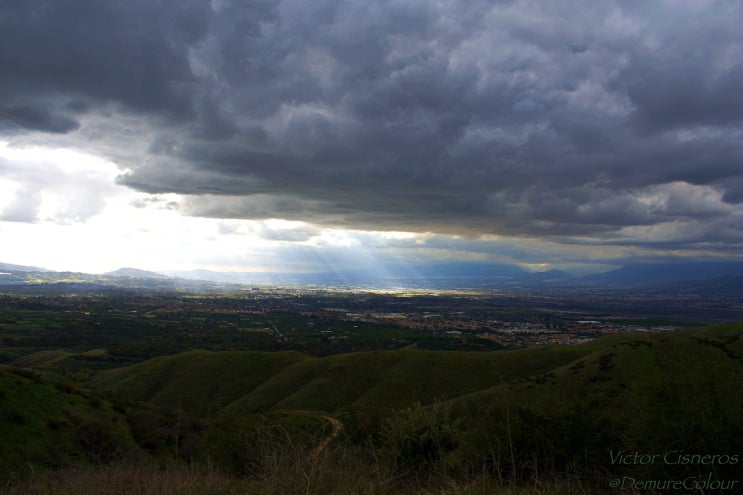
point(418, 439)
point(100, 444)
point(16, 417)
point(239, 445)
point(261, 446)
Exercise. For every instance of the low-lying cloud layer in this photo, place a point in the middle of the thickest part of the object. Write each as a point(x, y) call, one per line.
point(585, 122)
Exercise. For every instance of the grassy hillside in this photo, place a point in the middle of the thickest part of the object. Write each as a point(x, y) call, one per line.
point(41, 359)
point(205, 382)
point(611, 379)
point(43, 424)
point(651, 393)
point(198, 382)
point(404, 421)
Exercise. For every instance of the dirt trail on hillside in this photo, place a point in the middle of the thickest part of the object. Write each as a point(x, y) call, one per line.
point(337, 429)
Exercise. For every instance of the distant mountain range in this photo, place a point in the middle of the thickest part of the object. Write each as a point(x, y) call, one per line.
point(666, 274)
point(7, 267)
point(135, 273)
point(703, 277)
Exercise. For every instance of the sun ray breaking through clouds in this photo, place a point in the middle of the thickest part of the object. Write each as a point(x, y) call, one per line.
point(283, 136)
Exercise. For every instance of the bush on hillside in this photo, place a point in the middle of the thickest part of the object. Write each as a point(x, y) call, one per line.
point(418, 439)
point(101, 444)
point(260, 446)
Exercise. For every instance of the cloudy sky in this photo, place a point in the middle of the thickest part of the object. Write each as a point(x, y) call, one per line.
point(293, 135)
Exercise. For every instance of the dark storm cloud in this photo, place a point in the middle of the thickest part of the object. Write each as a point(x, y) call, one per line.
point(77, 51)
point(688, 98)
point(36, 117)
point(521, 118)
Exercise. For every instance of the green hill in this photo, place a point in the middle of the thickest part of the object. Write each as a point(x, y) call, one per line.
point(205, 382)
point(199, 382)
point(392, 379)
point(52, 425)
point(507, 416)
point(41, 359)
point(648, 393)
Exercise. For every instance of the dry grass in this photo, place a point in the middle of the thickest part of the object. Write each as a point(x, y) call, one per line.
point(129, 479)
point(328, 475)
point(289, 475)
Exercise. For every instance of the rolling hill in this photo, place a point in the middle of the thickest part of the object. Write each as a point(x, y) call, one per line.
point(203, 382)
point(52, 425)
point(199, 382)
point(256, 382)
point(563, 408)
point(515, 415)
point(676, 392)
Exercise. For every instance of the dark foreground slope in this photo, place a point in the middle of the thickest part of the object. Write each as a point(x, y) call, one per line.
point(666, 395)
point(421, 418)
point(44, 424)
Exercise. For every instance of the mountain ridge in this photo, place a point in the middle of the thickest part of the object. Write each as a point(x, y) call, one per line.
point(712, 277)
point(658, 274)
point(136, 273)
